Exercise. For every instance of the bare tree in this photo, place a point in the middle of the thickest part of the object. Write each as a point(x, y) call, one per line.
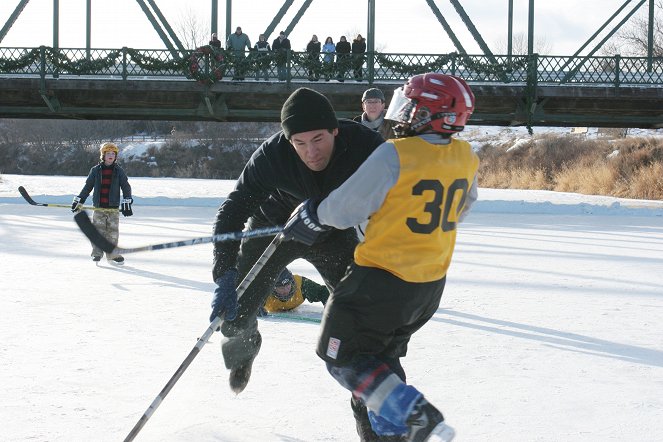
point(634, 37)
point(192, 30)
point(519, 45)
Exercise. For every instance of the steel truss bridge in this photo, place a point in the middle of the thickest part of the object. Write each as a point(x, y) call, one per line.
point(183, 84)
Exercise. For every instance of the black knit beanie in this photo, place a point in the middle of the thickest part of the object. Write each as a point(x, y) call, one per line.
point(305, 110)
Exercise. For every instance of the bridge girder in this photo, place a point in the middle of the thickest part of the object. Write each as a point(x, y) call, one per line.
point(497, 104)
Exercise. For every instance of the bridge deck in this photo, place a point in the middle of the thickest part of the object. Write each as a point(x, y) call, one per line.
point(163, 99)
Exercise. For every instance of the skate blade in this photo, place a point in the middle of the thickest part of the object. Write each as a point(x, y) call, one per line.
point(441, 433)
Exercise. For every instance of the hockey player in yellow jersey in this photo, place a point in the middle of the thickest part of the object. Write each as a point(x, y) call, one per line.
point(290, 291)
point(413, 190)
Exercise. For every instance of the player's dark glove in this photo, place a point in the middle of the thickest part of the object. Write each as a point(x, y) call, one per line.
point(225, 296)
point(76, 204)
point(125, 207)
point(303, 225)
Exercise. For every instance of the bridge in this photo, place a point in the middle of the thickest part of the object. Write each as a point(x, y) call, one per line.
point(197, 84)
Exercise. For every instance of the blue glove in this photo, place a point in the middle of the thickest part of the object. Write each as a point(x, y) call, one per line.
point(303, 225)
point(225, 296)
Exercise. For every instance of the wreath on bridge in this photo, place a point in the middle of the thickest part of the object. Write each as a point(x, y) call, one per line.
point(206, 64)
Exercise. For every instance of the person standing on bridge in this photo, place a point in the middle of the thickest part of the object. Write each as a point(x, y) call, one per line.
point(313, 58)
point(343, 49)
point(281, 46)
point(413, 190)
point(106, 178)
point(262, 60)
point(214, 41)
point(358, 51)
point(312, 155)
point(329, 49)
point(238, 43)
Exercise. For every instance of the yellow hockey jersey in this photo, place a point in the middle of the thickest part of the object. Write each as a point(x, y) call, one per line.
point(413, 233)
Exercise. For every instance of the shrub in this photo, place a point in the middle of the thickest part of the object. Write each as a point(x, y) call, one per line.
point(572, 164)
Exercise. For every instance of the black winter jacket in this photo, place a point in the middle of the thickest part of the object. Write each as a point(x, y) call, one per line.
point(275, 180)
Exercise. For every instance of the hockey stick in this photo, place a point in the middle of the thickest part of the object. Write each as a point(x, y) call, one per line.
point(24, 193)
point(292, 317)
point(248, 279)
point(86, 226)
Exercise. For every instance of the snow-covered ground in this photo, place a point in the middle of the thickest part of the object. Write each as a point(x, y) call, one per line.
point(550, 328)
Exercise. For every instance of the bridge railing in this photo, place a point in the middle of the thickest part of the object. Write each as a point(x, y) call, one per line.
point(209, 65)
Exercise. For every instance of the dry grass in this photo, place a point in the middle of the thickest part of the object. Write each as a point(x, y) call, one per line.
point(627, 168)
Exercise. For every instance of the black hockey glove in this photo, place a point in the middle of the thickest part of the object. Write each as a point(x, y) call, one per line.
point(76, 204)
point(125, 207)
point(303, 225)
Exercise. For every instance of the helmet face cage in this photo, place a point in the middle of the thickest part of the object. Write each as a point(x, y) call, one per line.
point(283, 280)
point(431, 103)
point(400, 110)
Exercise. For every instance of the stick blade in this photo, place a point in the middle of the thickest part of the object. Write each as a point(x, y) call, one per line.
point(26, 196)
point(86, 226)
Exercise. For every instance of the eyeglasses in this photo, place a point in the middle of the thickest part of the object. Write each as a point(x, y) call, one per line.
point(373, 101)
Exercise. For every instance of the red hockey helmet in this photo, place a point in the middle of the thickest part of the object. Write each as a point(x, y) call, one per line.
point(431, 102)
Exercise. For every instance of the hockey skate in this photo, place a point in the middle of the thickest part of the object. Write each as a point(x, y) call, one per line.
point(118, 260)
point(427, 424)
point(239, 377)
point(364, 428)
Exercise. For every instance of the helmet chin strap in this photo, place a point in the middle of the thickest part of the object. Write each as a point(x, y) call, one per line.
point(438, 116)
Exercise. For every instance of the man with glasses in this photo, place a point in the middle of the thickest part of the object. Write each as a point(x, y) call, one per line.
point(372, 102)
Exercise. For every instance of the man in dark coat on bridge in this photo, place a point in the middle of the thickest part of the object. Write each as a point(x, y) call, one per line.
point(281, 46)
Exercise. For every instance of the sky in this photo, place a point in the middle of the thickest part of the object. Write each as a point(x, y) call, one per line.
point(401, 27)
point(549, 327)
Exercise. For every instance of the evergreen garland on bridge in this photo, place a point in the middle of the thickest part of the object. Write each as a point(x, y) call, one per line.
point(23, 61)
point(82, 66)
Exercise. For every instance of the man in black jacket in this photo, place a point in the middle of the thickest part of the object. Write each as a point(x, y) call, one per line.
point(310, 157)
point(281, 46)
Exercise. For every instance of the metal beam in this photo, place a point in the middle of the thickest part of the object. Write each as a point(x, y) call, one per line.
point(88, 28)
point(530, 29)
point(157, 27)
point(370, 62)
point(509, 32)
point(445, 25)
point(612, 17)
point(214, 19)
point(12, 18)
point(166, 25)
point(229, 7)
point(56, 24)
point(297, 16)
point(619, 25)
point(473, 30)
point(599, 44)
point(277, 19)
point(650, 36)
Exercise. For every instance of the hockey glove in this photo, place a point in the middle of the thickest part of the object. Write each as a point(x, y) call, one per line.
point(225, 296)
point(303, 225)
point(76, 204)
point(125, 207)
